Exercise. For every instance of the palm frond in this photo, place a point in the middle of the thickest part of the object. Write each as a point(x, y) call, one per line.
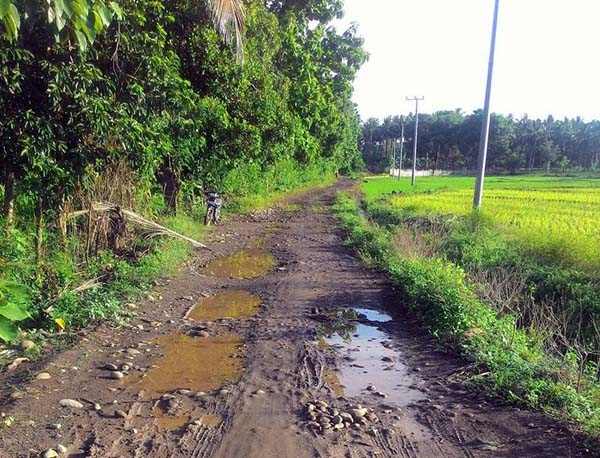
point(229, 20)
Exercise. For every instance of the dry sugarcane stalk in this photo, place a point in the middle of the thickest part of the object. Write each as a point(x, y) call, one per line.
point(105, 207)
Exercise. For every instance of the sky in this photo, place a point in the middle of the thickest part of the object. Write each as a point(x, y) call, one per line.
point(547, 56)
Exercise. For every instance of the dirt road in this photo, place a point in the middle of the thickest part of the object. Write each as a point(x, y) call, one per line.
point(293, 350)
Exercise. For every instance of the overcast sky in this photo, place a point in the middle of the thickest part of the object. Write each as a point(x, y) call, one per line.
point(547, 56)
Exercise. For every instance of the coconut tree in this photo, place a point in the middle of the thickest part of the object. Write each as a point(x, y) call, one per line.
point(78, 22)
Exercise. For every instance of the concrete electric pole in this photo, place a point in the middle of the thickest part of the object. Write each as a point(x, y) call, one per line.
point(414, 164)
point(401, 151)
point(485, 126)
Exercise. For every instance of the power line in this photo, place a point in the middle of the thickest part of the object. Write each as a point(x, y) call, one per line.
point(415, 140)
point(485, 126)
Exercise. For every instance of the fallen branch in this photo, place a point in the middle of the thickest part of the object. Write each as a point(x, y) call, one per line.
point(155, 228)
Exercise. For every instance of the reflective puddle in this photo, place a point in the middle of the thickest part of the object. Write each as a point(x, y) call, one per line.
point(234, 304)
point(249, 263)
point(193, 363)
point(367, 358)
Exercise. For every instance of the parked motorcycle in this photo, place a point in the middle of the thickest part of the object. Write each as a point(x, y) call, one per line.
point(214, 202)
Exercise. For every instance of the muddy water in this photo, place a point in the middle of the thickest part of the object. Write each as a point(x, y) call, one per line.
point(368, 361)
point(171, 423)
point(333, 380)
point(249, 263)
point(234, 304)
point(198, 364)
point(211, 420)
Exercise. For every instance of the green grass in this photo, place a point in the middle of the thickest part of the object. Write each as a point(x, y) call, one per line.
point(377, 186)
point(552, 219)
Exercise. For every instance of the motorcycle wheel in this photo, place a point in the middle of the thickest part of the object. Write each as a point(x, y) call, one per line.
point(209, 216)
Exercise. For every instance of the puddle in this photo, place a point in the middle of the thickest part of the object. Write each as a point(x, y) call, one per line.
point(169, 422)
point(249, 263)
point(211, 421)
point(332, 379)
point(367, 360)
point(193, 363)
point(372, 315)
point(234, 304)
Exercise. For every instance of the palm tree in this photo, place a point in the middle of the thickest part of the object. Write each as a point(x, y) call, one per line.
point(227, 15)
point(228, 18)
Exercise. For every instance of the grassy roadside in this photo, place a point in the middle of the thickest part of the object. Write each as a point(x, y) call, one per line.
point(122, 279)
point(508, 361)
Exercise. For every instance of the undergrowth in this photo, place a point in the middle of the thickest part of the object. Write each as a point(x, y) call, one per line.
point(66, 291)
point(508, 360)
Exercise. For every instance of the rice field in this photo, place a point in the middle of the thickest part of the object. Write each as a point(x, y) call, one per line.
point(557, 219)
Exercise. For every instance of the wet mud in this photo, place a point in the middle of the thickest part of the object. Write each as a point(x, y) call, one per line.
point(242, 387)
point(237, 304)
point(248, 263)
point(191, 363)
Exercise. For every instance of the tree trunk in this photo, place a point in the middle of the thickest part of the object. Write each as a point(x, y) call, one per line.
point(9, 196)
point(39, 230)
point(171, 187)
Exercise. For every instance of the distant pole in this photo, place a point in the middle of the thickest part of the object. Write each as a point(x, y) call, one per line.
point(393, 155)
point(401, 151)
point(415, 140)
point(485, 126)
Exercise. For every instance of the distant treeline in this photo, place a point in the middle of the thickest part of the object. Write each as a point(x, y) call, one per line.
point(450, 140)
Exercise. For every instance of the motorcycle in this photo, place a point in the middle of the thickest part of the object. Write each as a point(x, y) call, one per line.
point(214, 202)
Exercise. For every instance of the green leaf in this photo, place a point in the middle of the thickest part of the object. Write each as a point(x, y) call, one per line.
point(13, 312)
point(16, 290)
point(68, 7)
point(58, 7)
point(13, 13)
point(4, 5)
point(8, 331)
point(105, 14)
point(98, 24)
point(81, 40)
point(60, 22)
point(10, 27)
point(51, 15)
point(117, 10)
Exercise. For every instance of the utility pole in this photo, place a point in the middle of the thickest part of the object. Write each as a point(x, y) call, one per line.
point(485, 126)
point(414, 165)
point(401, 150)
point(393, 155)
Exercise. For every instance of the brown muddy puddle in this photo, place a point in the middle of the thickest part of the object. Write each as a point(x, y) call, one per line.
point(192, 363)
point(367, 361)
point(248, 263)
point(233, 304)
point(169, 422)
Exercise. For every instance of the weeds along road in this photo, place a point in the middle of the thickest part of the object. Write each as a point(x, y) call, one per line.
point(277, 343)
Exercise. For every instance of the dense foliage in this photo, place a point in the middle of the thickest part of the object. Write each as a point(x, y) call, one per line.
point(156, 89)
point(449, 140)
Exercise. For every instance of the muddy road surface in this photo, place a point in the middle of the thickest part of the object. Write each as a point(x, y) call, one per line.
point(277, 343)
